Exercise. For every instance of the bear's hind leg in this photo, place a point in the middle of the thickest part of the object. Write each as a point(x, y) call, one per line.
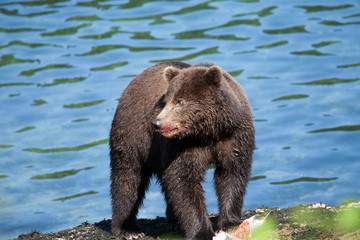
point(128, 186)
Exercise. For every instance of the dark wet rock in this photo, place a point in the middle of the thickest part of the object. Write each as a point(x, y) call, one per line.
point(312, 221)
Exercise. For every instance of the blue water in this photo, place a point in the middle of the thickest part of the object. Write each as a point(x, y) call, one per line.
point(64, 64)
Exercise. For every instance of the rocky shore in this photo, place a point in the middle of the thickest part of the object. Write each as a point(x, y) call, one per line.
point(313, 221)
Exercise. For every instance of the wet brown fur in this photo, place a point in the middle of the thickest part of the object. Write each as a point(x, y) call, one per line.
point(215, 127)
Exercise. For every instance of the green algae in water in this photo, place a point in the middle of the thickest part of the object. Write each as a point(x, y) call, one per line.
point(290, 97)
point(104, 48)
point(62, 174)
point(38, 102)
point(75, 196)
point(349, 66)
point(66, 31)
point(109, 67)
point(319, 8)
point(305, 179)
point(260, 120)
point(310, 52)
point(62, 81)
point(207, 51)
point(84, 104)
point(80, 120)
point(328, 81)
point(18, 30)
point(68, 149)
point(245, 52)
point(200, 33)
point(158, 18)
point(31, 72)
point(115, 30)
point(10, 59)
point(324, 44)
point(261, 77)
point(17, 14)
point(15, 84)
point(25, 129)
point(347, 128)
point(272, 45)
point(296, 29)
point(6, 146)
point(4, 176)
point(352, 15)
point(336, 23)
point(262, 13)
point(257, 178)
point(143, 35)
point(84, 18)
point(236, 73)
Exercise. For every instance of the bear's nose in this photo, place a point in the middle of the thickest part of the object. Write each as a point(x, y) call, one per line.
point(157, 123)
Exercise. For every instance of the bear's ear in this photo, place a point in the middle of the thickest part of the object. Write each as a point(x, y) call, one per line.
point(213, 74)
point(170, 72)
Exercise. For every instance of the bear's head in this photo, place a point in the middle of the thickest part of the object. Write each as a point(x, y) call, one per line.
point(194, 104)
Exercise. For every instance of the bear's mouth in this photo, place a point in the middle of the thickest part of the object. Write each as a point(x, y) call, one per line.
point(168, 131)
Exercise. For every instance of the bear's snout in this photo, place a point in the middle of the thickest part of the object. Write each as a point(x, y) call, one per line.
point(157, 123)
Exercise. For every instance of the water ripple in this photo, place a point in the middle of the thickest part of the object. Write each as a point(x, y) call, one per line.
point(104, 48)
point(336, 23)
point(213, 50)
point(262, 13)
point(34, 3)
point(305, 179)
point(109, 67)
point(200, 33)
point(75, 196)
point(84, 18)
point(10, 59)
point(57, 175)
point(296, 29)
point(31, 45)
point(290, 97)
point(346, 128)
point(319, 8)
point(324, 44)
point(62, 81)
point(25, 129)
point(19, 30)
point(15, 84)
point(31, 72)
point(68, 149)
point(349, 65)
point(328, 81)
point(4, 146)
point(158, 18)
point(275, 44)
point(310, 52)
point(83, 104)
point(17, 14)
point(66, 31)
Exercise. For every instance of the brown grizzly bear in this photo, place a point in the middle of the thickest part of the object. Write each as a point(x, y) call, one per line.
point(172, 121)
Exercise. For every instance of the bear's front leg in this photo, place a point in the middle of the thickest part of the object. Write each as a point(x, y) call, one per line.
point(181, 182)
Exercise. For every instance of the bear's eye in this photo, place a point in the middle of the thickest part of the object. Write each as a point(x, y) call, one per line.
point(180, 102)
